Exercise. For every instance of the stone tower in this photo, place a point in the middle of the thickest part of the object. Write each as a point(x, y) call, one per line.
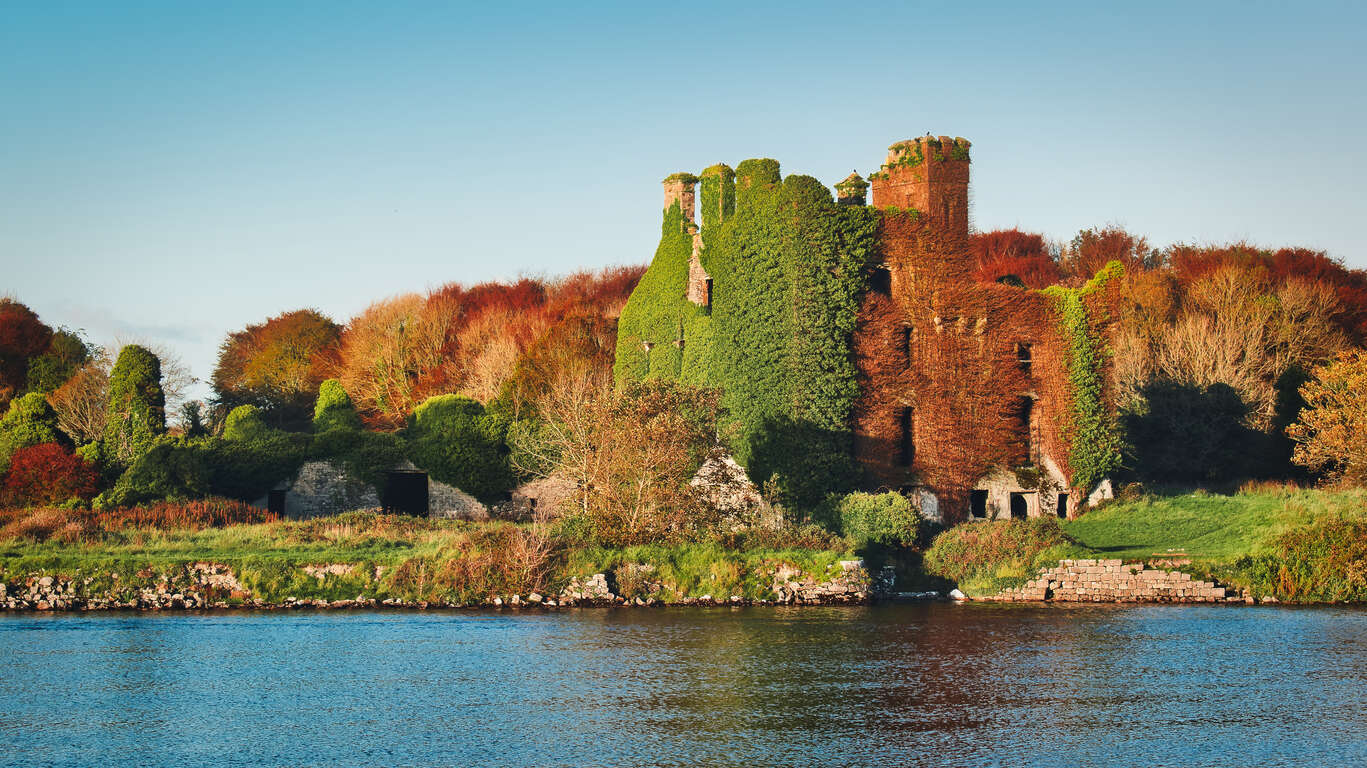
point(929, 174)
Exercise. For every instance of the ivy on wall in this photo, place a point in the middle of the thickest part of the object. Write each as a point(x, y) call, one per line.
point(1089, 425)
point(788, 266)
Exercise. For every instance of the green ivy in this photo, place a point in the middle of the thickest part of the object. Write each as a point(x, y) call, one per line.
point(1091, 428)
point(788, 266)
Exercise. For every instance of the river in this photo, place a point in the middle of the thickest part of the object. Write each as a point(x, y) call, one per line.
point(937, 684)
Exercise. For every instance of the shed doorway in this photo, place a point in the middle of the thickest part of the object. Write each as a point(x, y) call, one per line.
point(405, 493)
point(977, 504)
point(1020, 506)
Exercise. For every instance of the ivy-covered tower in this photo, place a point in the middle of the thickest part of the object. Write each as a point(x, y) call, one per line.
point(855, 347)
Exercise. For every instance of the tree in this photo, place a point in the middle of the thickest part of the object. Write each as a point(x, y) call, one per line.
point(29, 421)
point(22, 337)
point(136, 413)
point(48, 473)
point(1329, 438)
point(333, 409)
point(277, 366)
point(631, 456)
point(392, 356)
point(1006, 253)
point(83, 401)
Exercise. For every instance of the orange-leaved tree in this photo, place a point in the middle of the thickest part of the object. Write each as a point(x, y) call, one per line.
point(1329, 435)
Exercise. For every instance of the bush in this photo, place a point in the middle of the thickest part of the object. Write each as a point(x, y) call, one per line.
point(334, 409)
point(881, 520)
point(454, 439)
point(1325, 561)
point(247, 468)
point(170, 470)
point(49, 474)
point(366, 455)
point(29, 421)
point(245, 422)
point(137, 405)
point(984, 558)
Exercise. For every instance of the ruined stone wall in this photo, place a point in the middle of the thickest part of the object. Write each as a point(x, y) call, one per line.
point(1112, 581)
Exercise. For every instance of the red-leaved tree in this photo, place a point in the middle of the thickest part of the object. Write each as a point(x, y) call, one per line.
point(48, 473)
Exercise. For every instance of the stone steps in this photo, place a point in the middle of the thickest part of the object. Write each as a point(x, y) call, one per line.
point(1114, 581)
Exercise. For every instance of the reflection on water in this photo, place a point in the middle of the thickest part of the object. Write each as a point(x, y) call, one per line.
point(972, 685)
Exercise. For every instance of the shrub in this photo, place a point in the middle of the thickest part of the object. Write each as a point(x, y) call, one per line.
point(1325, 561)
point(248, 467)
point(49, 474)
point(245, 422)
point(334, 409)
point(983, 558)
point(29, 421)
point(169, 470)
point(137, 405)
point(884, 519)
point(76, 524)
point(454, 439)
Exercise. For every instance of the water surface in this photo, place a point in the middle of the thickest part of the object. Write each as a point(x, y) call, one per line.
point(965, 685)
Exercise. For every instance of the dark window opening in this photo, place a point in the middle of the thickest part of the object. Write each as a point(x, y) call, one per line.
point(1024, 357)
point(707, 294)
point(977, 504)
point(1063, 505)
point(907, 443)
point(881, 281)
point(405, 493)
point(275, 502)
point(909, 344)
point(1020, 508)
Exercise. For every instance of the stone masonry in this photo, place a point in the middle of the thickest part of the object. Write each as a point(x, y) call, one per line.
point(1112, 581)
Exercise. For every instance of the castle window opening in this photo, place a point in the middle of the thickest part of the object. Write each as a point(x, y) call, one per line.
point(977, 504)
point(1063, 505)
point(1020, 507)
point(707, 294)
point(1024, 357)
point(909, 343)
point(881, 281)
point(907, 440)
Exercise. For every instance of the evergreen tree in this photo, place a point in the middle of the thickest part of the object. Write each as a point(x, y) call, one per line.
point(137, 405)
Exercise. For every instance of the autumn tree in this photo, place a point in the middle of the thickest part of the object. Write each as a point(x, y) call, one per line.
point(136, 414)
point(1329, 437)
point(631, 455)
point(392, 357)
point(22, 337)
point(277, 366)
point(1006, 254)
point(83, 401)
point(1092, 249)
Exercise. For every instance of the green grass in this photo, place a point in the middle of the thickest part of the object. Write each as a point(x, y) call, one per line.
point(1295, 544)
point(1206, 527)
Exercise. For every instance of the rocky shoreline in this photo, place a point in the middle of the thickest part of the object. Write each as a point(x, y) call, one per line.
point(211, 586)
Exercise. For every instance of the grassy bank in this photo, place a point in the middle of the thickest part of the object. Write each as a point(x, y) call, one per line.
point(385, 556)
point(1294, 544)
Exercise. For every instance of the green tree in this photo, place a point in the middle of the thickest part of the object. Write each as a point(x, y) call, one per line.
point(334, 408)
point(137, 405)
point(29, 421)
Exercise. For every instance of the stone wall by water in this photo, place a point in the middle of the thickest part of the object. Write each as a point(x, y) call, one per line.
point(1107, 581)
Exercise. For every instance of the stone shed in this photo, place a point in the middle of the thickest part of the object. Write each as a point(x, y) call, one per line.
point(324, 488)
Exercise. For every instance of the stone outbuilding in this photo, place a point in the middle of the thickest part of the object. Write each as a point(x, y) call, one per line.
point(324, 488)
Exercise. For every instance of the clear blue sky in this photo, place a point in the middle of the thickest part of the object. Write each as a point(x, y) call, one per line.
point(173, 171)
